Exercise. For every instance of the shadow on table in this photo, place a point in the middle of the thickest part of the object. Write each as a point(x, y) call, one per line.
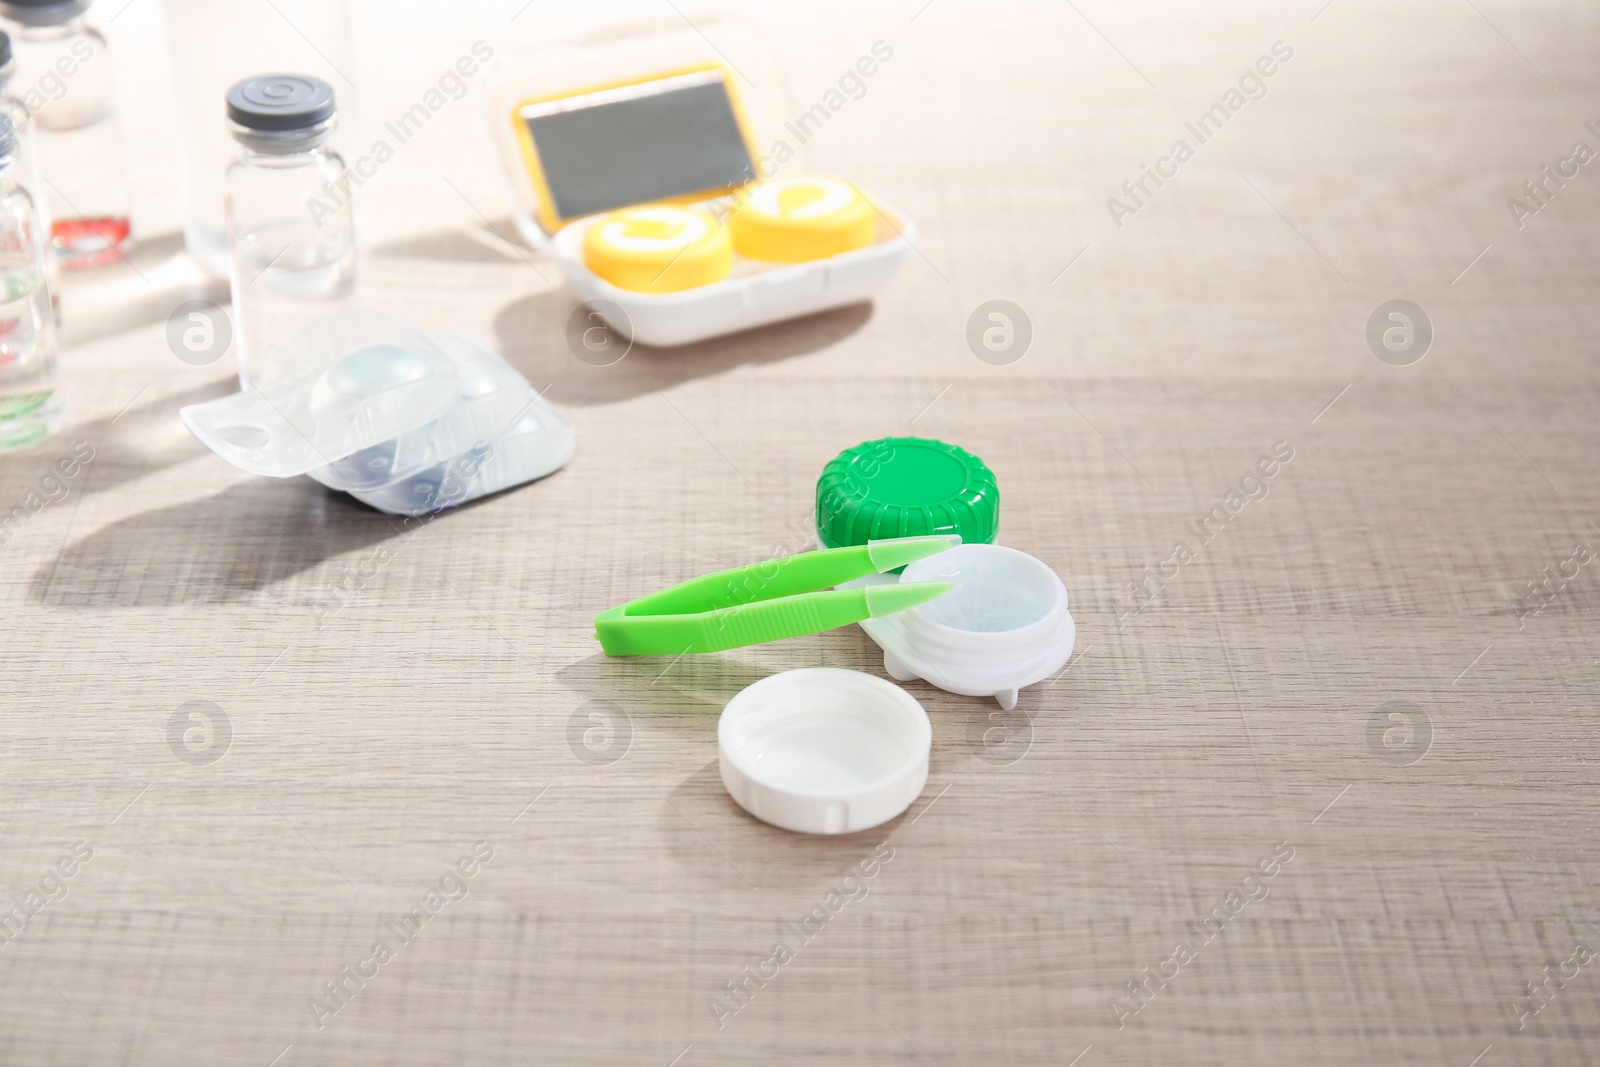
point(222, 548)
point(532, 335)
point(146, 437)
point(496, 243)
point(685, 693)
point(711, 836)
point(138, 291)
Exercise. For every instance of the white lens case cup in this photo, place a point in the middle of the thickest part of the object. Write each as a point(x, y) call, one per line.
point(1004, 627)
point(823, 750)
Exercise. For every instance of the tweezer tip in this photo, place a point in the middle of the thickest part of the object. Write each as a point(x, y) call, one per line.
point(893, 553)
point(889, 599)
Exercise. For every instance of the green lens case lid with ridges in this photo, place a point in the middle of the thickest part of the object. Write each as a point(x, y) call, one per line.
point(906, 487)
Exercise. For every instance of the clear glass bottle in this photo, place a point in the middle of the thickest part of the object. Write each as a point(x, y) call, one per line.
point(291, 224)
point(31, 408)
point(260, 36)
point(13, 108)
point(66, 88)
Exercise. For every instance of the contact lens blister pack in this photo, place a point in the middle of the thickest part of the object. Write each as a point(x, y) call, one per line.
point(538, 442)
point(407, 419)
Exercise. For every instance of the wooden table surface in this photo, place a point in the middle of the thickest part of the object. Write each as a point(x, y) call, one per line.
point(1325, 792)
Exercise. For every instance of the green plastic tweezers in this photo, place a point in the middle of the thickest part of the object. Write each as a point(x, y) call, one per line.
point(769, 601)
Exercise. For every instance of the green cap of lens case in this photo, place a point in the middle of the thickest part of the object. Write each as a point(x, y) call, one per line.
point(906, 487)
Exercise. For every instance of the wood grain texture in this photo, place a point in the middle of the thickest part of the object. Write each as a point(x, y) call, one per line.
point(1235, 713)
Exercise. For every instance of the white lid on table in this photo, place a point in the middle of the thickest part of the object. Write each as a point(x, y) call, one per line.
point(823, 750)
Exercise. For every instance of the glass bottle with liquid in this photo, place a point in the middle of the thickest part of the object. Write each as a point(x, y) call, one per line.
point(291, 224)
point(30, 398)
point(309, 36)
point(13, 108)
point(66, 88)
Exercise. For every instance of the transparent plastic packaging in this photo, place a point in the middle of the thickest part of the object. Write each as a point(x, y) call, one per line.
point(409, 420)
point(484, 398)
point(537, 443)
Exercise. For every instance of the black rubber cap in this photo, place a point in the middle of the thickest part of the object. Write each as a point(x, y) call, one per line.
point(43, 12)
point(280, 102)
point(5, 48)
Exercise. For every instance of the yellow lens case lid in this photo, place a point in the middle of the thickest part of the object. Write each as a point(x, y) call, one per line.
point(800, 218)
point(658, 248)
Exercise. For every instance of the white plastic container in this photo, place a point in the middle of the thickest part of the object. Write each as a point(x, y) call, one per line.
point(824, 751)
point(757, 293)
point(1005, 627)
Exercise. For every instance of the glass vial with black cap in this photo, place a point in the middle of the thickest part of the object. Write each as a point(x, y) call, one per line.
point(31, 406)
point(65, 84)
point(213, 43)
point(291, 225)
